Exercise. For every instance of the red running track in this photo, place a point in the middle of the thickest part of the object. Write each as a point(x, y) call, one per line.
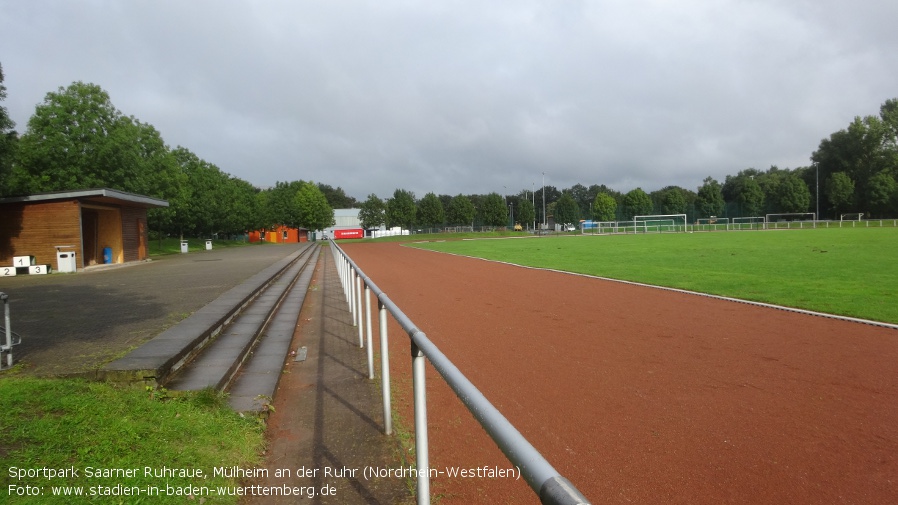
point(640, 395)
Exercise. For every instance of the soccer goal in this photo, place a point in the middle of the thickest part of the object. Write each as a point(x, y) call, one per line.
point(791, 220)
point(660, 223)
point(851, 216)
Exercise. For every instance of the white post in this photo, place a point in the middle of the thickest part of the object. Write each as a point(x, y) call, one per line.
point(358, 309)
point(385, 369)
point(368, 328)
point(421, 445)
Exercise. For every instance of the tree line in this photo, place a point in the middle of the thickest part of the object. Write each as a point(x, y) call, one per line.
point(77, 139)
point(853, 171)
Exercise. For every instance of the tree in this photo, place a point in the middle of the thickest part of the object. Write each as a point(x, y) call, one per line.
point(8, 142)
point(671, 200)
point(868, 146)
point(493, 210)
point(840, 192)
point(566, 209)
point(881, 193)
point(461, 211)
point(76, 139)
point(524, 213)
point(282, 205)
point(430, 211)
point(314, 213)
point(709, 201)
point(637, 203)
point(793, 194)
point(749, 196)
point(336, 198)
point(401, 209)
point(583, 197)
point(372, 213)
point(604, 207)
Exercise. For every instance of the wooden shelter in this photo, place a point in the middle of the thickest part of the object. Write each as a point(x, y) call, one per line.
point(98, 225)
point(280, 235)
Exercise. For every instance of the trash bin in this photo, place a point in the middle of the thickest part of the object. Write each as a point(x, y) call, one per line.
point(65, 261)
point(107, 255)
point(184, 246)
point(208, 245)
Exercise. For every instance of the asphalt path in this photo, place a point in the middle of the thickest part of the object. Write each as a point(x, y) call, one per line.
point(71, 323)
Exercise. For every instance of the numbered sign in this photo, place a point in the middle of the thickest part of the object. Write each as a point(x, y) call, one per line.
point(39, 269)
point(7, 271)
point(22, 261)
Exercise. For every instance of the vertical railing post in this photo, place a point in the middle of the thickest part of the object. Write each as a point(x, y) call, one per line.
point(7, 329)
point(359, 311)
point(421, 446)
point(385, 369)
point(354, 303)
point(368, 331)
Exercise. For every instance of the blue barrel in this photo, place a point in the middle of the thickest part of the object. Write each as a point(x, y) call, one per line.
point(107, 255)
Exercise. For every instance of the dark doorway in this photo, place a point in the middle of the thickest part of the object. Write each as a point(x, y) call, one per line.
point(90, 230)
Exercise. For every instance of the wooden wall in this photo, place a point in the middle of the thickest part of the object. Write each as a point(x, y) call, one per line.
point(132, 218)
point(35, 230)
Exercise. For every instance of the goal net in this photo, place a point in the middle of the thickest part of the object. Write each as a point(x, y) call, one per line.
point(660, 223)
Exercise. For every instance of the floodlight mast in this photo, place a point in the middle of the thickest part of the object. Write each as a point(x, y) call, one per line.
point(545, 221)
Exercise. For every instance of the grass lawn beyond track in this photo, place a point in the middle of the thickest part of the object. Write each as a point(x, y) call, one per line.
point(849, 271)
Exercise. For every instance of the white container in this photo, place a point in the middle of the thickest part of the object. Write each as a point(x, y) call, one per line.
point(184, 247)
point(208, 245)
point(65, 261)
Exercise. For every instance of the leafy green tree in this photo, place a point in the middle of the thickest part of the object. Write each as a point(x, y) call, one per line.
point(583, 197)
point(566, 209)
point(372, 213)
point(671, 200)
point(281, 204)
point(524, 213)
point(461, 211)
point(604, 207)
point(751, 198)
point(865, 148)
point(76, 139)
point(793, 194)
point(840, 192)
point(314, 213)
point(709, 201)
point(336, 197)
point(8, 142)
point(493, 210)
point(430, 211)
point(881, 194)
point(401, 209)
point(637, 203)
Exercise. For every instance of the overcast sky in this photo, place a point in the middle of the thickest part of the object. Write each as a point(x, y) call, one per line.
point(468, 96)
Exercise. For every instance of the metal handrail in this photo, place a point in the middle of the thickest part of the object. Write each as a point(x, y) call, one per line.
point(543, 479)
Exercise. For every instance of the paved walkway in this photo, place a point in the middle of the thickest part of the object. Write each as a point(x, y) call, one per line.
point(72, 323)
point(328, 417)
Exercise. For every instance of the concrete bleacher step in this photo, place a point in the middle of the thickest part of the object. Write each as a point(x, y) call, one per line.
point(219, 360)
point(254, 385)
point(158, 360)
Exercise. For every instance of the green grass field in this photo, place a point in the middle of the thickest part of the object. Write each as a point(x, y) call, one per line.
point(65, 423)
point(851, 272)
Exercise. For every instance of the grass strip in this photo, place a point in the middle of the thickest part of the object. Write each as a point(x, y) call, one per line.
point(103, 432)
